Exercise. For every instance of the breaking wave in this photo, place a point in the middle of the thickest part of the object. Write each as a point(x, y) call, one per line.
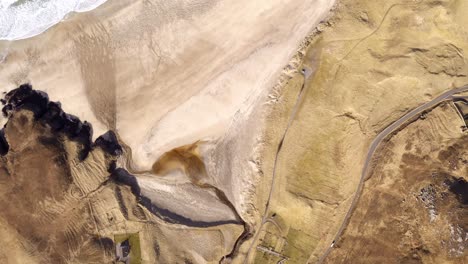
point(20, 19)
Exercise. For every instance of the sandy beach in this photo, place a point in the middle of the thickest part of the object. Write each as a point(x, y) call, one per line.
point(168, 74)
point(164, 75)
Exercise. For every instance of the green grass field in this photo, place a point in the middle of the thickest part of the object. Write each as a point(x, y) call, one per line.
point(135, 251)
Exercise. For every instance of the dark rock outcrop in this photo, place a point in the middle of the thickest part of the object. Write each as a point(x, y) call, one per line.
point(4, 147)
point(51, 114)
point(459, 187)
point(121, 176)
point(24, 97)
point(109, 143)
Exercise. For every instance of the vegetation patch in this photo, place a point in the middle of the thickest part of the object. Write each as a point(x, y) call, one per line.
point(134, 241)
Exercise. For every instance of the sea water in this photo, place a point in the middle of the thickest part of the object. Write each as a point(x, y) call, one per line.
point(20, 19)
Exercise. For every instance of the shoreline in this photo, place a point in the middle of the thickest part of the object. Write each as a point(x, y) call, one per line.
point(15, 36)
point(207, 79)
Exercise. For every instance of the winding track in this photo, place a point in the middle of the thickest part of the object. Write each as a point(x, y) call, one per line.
point(293, 114)
point(375, 143)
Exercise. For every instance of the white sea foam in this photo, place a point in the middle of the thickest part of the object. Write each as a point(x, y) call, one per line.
point(20, 19)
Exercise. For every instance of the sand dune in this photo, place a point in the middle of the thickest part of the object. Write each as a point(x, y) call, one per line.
point(167, 74)
point(164, 74)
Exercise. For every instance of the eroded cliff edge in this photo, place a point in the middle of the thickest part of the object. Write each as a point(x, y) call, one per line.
point(371, 63)
point(71, 202)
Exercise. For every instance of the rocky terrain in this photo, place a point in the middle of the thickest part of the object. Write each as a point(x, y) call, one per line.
point(365, 67)
point(202, 147)
point(71, 201)
point(414, 205)
point(181, 86)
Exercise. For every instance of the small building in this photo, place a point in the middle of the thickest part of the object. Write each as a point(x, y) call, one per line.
point(122, 251)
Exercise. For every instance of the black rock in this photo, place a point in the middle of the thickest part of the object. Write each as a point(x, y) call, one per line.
point(459, 187)
point(112, 166)
point(6, 109)
point(109, 143)
point(24, 97)
point(72, 125)
point(54, 116)
point(4, 147)
point(51, 114)
point(121, 176)
point(85, 137)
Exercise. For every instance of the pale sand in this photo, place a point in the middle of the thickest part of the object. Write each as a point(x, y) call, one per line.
point(168, 73)
point(188, 201)
point(178, 71)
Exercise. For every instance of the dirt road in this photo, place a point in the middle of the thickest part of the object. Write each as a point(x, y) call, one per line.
point(375, 143)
